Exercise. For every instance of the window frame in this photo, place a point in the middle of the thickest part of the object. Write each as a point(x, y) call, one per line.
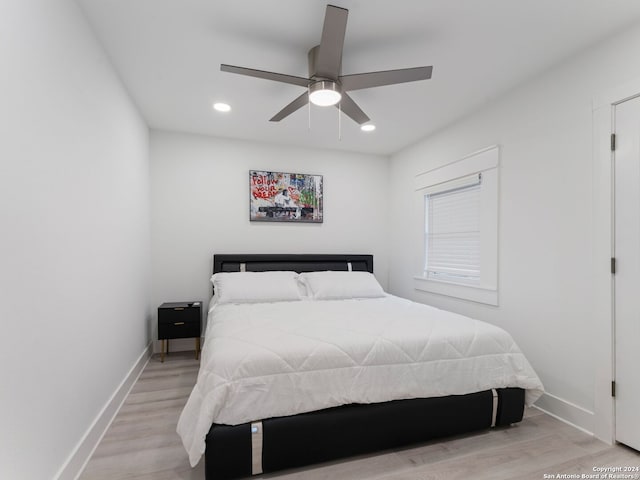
point(486, 163)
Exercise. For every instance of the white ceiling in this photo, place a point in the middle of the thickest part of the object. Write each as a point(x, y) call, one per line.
point(168, 53)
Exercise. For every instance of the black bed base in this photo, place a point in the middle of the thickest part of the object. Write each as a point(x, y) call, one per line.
point(339, 432)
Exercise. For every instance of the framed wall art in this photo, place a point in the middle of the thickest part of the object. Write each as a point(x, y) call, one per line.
point(285, 197)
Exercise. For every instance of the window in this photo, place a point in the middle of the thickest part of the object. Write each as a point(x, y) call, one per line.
point(460, 218)
point(452, 232)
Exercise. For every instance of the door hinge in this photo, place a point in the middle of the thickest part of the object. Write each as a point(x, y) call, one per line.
point(613, 388)
point(613, 142)
point(613, 265)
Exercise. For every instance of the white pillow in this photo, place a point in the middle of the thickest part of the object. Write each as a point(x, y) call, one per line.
point(339, 285)
point(255, 287)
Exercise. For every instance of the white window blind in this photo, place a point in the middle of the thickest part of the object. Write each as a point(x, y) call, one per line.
point(453, 231)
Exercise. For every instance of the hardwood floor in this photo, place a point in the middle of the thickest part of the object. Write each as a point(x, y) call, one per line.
point(141, 444)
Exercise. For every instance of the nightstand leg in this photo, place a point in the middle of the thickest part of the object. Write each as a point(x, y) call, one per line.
point(197, 348)
point(162, 351)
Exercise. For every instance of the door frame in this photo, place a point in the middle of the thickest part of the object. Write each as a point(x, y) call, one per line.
point(603, 249)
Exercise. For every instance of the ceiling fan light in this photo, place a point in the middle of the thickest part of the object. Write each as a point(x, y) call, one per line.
point(324, 94)
point(369, 127)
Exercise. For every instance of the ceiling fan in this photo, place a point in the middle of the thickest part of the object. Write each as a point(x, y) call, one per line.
point(326, 85)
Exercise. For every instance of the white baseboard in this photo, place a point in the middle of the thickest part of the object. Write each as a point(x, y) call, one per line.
point(78, 459)
point(566, 412)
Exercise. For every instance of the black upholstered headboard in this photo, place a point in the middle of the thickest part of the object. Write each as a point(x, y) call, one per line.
point(297, 263)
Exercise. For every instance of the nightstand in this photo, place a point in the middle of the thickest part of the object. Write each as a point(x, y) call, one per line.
point(179, 320)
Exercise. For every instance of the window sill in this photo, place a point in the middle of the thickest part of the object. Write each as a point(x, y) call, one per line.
point(473, 293)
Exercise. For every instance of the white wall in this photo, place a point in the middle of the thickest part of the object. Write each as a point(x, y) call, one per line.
point(74, 259)
point(547, 253)
point(200, 206)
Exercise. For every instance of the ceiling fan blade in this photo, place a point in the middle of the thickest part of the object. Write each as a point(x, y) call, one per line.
point(388, 77)
point(352, 110)
point(329, 57)
point(276, 77)
point(298, 103)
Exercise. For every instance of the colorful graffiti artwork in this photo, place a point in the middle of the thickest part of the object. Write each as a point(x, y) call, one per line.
point(285, 197)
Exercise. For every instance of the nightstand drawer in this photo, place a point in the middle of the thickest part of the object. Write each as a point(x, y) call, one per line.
point(178, 329)
point(170, 316)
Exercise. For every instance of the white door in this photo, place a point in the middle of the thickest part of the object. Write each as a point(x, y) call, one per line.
point(627, 277)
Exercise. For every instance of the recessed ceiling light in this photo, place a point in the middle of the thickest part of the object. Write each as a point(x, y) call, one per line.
point(369, 127)
point(221, 107)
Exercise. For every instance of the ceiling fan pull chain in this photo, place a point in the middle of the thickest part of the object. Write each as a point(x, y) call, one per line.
point(309, 105)
point(340, 121)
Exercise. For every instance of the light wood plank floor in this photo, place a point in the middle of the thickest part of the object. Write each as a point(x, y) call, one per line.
point(141, 444)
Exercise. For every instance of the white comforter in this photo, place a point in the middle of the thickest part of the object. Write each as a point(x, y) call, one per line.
point(275, 359)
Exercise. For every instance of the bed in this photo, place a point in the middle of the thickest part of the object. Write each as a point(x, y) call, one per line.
point(337, 368)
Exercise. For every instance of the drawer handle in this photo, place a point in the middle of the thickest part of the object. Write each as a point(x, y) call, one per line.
point(179, 323)
point(179, 308)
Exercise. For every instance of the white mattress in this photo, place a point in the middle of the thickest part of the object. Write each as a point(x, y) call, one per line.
point(276, 359)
